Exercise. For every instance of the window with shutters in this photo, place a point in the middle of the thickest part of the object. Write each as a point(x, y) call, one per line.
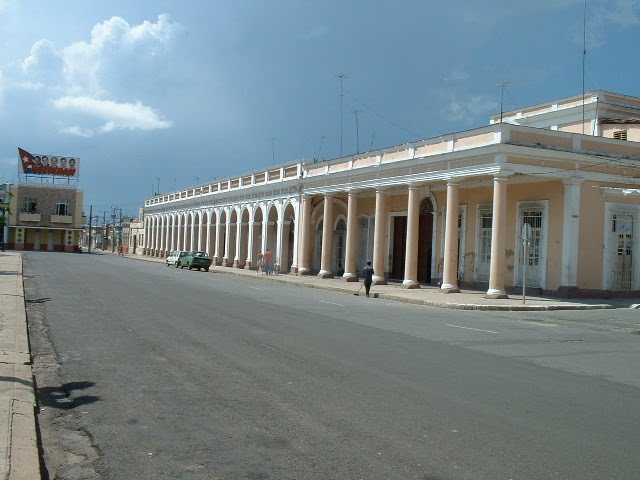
point(620, 134)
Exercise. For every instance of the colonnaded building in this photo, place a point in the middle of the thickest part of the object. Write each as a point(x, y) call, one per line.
point(445, 211)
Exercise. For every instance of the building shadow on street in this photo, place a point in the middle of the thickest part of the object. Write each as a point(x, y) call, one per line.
point(65, 397)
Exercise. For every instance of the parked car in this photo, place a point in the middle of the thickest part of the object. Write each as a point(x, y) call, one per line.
point(196, 260)
point(176, 257)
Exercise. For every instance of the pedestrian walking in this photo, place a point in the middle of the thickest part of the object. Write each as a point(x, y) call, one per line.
point(268, 260)
point(121, 250)
point(260, 264)
point(368, 277)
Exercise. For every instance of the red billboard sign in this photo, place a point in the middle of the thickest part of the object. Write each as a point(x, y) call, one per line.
point(48, 164)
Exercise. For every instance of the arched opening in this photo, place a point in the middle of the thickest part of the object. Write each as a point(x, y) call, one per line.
point(288, 239)
point(425, 241)
point(317, 247)
point(339, 244)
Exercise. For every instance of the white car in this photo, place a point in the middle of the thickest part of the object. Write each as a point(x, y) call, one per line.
point(175, 257)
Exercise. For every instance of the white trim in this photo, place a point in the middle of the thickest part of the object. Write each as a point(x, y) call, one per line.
point(462, 236)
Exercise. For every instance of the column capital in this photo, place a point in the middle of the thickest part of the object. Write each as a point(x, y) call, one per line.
point(573, 181)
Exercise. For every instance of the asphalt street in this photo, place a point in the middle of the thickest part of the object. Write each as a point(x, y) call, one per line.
point(181, 374)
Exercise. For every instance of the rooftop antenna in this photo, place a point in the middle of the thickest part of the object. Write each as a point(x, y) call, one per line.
point(355, 113)
point(371, 144)
point(584, 55)
point(341, 76)
point(502, 85)
point(320, 148)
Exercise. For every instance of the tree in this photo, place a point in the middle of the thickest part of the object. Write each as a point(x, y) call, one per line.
point(4, 219)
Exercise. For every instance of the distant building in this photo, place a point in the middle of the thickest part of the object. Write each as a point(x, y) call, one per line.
point(46, 207)
point(450, 210)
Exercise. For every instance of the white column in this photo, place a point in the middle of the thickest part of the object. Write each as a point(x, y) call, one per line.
point(379, 238)
point(350, 267)
point(208, 227)
point(249, 262)
point(156, 238)
point(227, 234)
point(169, 233)
point(327, 239)
point(305, 237)
point(450, 277)
point(236, 259)
point(411, 249)
point(216, 247)
point(570, 233)
point(178, 238)
point(278, 252)
point(200, 232)
point(265, 228)
point(192, 243)
point(162, 236)
point(498, 240)
point(146, 235)
point(152, 239)
point(186, 231)
point(296, 238)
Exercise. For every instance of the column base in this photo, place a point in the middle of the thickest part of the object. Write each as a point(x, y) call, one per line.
point(247, 265)
point(495, 294)
point(304, 271)
point(325, 274)
point(350, 277)
point(236, 263)
point(410, 284)
point(446, 288)
point(379, 281)
point(294, 270)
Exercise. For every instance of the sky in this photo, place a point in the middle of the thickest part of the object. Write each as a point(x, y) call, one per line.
point(156, 96)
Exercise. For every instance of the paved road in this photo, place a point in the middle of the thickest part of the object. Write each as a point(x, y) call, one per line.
point(162, 373)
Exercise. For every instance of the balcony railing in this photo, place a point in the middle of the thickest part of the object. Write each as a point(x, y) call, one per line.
point(61, 218)
point(29, 217)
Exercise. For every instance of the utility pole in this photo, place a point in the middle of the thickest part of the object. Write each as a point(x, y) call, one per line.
point(502, 85)
point(90, 222)
point(355, 112)
point(104, 222)
point(113, 229)
point(120, 232)
point(341, 77)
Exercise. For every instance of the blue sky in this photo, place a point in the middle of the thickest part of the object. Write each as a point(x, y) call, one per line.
point(188, 91)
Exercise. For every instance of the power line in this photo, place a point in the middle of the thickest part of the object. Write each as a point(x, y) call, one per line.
point(417, 135)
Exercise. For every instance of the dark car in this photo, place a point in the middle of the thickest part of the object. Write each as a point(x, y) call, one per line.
point(196, 260)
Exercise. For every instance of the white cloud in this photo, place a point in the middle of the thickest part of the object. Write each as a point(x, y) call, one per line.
point(116, 46)
point(469, 108)
point(115, 116)
point(44, 60)
point(624, 13)
point(456, 76)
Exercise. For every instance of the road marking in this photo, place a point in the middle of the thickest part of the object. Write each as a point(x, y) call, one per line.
point(469, 328)
point(256, 288)
point(331, 303)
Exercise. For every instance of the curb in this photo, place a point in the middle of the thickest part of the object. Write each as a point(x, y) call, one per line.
point(20, 457)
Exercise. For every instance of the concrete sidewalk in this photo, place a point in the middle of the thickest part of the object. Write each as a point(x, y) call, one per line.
point(18, 440)
point(426, 295)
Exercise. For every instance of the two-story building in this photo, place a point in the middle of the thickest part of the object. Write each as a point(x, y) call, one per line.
point(450, 210)
point(46, 206)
